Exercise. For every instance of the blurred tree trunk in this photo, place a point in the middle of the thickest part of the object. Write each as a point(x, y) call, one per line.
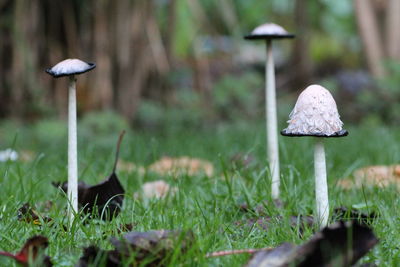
point(301, 59)
point(17, 91)
point(131, 74)
point(24, 57)
point(380, 37)
point(5, 60)
point(122, 37)
point(393, 29)
point(370, 35)
point(102, 95)
point(53, 52)
point(170, 33)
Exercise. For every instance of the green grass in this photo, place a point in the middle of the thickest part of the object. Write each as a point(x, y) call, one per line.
point(208, 206)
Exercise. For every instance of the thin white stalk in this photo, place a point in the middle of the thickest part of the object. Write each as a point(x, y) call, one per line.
point(271, 121)
point(72, 151)
point(321, 186)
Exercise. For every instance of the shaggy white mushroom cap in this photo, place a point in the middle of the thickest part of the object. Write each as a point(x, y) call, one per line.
point(70, 67)
point(315, 112)
point(269, 28)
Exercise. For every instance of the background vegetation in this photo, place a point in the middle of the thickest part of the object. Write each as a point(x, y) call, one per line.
point(158, 57)
point(180, 77)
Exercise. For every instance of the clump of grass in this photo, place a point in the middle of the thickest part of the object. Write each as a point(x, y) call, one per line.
point(208, 206)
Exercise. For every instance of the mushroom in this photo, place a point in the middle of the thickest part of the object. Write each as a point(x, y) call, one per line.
point(315, 114)
point(269, 32)
point(70, 68)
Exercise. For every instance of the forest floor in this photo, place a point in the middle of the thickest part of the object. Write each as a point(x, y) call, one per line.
point(209, 206)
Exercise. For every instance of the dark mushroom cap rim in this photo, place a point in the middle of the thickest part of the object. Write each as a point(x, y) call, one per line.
point(58, 75)
point(341, 133)
point(268, 36)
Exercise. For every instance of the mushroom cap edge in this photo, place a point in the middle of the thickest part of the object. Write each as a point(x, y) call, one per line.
point(69, 72)
point(341, 133)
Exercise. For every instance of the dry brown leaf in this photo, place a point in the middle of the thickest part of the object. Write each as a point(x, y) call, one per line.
point(380, 176)
point(182, 165)
point(157, 189)
point(339, 244)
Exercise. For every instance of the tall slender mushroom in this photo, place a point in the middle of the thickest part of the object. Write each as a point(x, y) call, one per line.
point(315, 114)
point(70, 68)
point(269, 32)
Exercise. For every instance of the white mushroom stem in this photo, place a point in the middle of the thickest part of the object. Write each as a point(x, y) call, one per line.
point(321, 186)
point(72, 151)
point(271, 122)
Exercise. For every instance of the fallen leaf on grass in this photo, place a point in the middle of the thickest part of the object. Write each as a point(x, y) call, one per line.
point(94, 256)
point(106, 197)
point(30, 252)
point(277, 257)
point(340, 244)
point(151, 248)
point(182, 165)
point(29, 215)
point(380, 175)
point(157, 189)
point(127, 227)
point(153, 244)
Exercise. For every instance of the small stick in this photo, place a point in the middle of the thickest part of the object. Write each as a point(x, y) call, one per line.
point(121, 135)
point(235, 251)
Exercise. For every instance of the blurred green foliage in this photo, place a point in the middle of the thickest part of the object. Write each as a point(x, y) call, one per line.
point(237, 97)
point(102, 123)
point(387, 97)
point(232, 98)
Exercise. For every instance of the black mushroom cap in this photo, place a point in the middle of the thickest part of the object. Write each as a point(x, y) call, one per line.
point(341, 133)
point(268, 31)
point(70, 67)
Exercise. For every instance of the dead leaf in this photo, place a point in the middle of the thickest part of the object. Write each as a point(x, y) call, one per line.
point(94, 256)
point(29, 215)
point(182, 165)
point(340, 244)
point(273, 258)
point(127, 227)
point(106, 197)
point(31, 252)
point(154, 246)
point(380, 176)
point(150, 248)
point(157, 189)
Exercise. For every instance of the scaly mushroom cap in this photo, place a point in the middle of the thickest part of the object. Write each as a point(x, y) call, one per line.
point(269, 28)
point(70, 67)
point(269, 31)
point(315, 114)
